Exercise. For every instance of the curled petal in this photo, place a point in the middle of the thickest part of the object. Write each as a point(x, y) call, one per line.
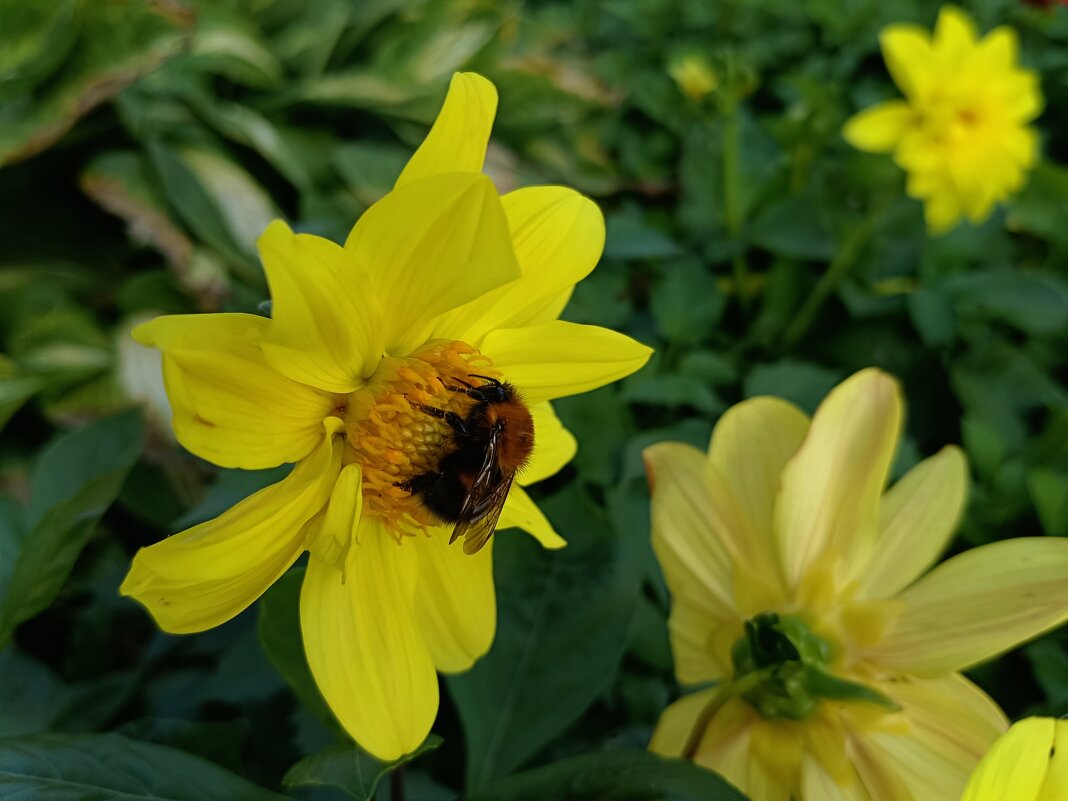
point(208, 574)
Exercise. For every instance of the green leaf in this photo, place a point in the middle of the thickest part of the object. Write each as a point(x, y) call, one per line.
point(350, 769)
point(117, 42)
point(78, 767)
point(687, 303)
point(563, 619)
point(933, 316)
point(279, 633)
point(76, 480)
point(795, 227)
point(613, 776)
point(15, 389)
point(220, 741)
point(37, 37)
point(370, 169)
point(1032, 302)
point(1049, 493)
point(798, 382)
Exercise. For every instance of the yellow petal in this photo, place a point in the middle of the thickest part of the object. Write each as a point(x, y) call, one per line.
point(364, 647)
point(676, 723)
point(954, 35)
point(556, 359)
point(339, 527)
point(458, 139)
point(455, 604)
point(1015, 767)
point(917, 518)
point(1056, 785)
point(829, 501)
point(689, 533)
point(554, 445)
point(230, 406)
point(751, 446)
point(908, 55)
point(942, 211)
point(326, 323)
point(878, 129)
point(429, 246)
point(521, 512)
point(951, 723)
point(818, 783)
point(208, 574)
point(558, 237)
point(977, 605)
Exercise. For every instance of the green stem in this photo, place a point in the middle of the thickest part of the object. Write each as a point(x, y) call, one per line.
point(716, 703)
point(837, 271)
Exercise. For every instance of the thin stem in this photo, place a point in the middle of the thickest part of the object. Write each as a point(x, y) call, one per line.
point(396, 784)
point(715, 704)
point(837, 271)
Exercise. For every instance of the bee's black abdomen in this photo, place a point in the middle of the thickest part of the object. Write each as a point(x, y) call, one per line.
point(442, 493)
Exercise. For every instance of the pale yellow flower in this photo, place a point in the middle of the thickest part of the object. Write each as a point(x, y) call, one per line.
point(797, 583)
point(961, 132)
point(440, 282)
point(1028, 763)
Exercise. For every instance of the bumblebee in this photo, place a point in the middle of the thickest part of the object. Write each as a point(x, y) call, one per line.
point(492, 441)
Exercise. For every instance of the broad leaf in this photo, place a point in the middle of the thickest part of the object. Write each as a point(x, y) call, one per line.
point(76, 480)
point(350, 769)
point(563, 618)
point(279, 631)
point(78, 767)
point(613, 776)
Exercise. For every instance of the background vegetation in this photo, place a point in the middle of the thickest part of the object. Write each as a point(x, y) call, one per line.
point(145, 145)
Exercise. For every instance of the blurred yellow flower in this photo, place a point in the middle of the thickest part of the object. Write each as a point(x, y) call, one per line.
point(439, 280)
point(961, 132)
point(796, 586)
point(1029, 763)
point(693, 75)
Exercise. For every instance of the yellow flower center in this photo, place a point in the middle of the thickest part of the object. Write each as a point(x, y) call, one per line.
point(393, 437)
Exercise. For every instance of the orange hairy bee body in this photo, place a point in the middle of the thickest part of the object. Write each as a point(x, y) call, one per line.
point(491, 442)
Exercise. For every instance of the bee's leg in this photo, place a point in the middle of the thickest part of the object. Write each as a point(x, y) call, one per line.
point(464, 388)
point(451, 418)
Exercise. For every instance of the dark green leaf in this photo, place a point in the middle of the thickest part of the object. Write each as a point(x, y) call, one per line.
point(563, 619)
point(612, 776)
point(687, 303)
point(350, 769)
point(800, 382)
point(76, 480)
point(279, 632)
point(79, 767)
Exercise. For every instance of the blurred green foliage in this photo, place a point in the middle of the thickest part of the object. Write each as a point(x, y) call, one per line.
point(146, 144)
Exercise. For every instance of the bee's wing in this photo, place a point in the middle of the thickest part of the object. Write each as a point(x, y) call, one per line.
point(483, 502)
point(476, 533)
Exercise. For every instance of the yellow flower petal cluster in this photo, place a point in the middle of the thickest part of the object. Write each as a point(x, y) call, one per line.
point(961, 132)
point(440, 279)
point(790, 517)
point(1028, 763)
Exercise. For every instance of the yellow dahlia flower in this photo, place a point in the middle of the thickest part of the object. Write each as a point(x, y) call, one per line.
point(961, 132)
point(439, 280)
point(797, 586)
point(1029, 763)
